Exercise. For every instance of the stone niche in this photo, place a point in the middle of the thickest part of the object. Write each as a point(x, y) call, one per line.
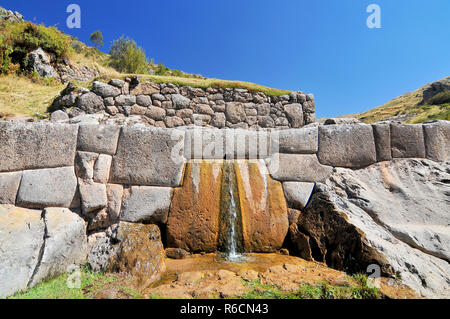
point(198, 218)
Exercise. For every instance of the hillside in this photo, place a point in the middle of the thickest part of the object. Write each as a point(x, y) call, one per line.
point(430, 102)
point(27, 89)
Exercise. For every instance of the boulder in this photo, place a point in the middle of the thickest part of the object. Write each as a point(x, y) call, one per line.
point(437, 140)
point(98, 138)
point(100, 251)
point(39, 62)
point(346, 145)
point(407, 141)
point(200, 193)
point(297, 168)
point(143, 100)
point(105, 90)
point(90, 103)
point(294, 113)
point(156, 113)
point(125, 100)
point(9, 185)
point(59, 116)
point(235, 112)
point(53, 187)
point(297, 194)
point(145, 88)
point(180, 102)
point(65, 244)
point(176, 253)
point(146, 204)
point(36, 145)
point(22, 234)
point(84, 165)
point(149, 156)
point(295, 141)
point(140, 252)
point(367, 217)
point(382, 135)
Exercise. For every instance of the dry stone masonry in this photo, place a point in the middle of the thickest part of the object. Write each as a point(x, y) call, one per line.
point(168, 105)
point(74, 184)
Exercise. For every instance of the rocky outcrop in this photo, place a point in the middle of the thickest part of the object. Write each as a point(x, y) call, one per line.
point(39, 62)
point(140, 252)
point(168, 105)
point(390, 214)
point(37, 245)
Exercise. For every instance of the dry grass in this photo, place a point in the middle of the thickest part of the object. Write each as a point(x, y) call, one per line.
point(22, 96)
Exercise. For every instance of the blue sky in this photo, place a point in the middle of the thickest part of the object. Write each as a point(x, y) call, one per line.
point(320, 46)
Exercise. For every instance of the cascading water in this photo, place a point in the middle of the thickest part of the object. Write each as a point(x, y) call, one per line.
point(230, 241)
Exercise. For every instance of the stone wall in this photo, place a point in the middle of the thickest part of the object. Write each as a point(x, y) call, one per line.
point(167, 105)
point(95, 176)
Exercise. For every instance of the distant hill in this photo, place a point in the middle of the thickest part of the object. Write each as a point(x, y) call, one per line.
point(430, 102)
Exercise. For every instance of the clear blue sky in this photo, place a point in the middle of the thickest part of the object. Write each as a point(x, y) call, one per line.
point(318, 46)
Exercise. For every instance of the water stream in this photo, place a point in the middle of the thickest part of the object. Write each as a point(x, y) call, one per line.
point(231, 238)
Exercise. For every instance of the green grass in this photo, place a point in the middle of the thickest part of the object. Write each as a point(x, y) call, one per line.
point(57, 288)
point(360, 289)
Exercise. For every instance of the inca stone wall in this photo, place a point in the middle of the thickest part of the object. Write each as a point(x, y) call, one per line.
point(78, 180)
point(168, 105)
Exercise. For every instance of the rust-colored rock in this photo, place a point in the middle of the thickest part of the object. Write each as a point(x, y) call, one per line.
point(263, 207)
point(193, 222)
point(140, 252)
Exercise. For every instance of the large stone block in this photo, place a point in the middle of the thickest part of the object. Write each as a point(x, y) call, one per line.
point(407, 141)
point(149, 156)
point(36, 145)
point(54, 187)
point(21, 238)
point(294, 113)
point(65, 244)
point(382, 135)
point(9, 184)
point(146, 204)
point(297, 168)
point(298, 194)
point(200, 193)
point(437, 140)
point(93, 196)
point(246, 144)
point(263, 207)
point(102, 168)
point(295, 141)
point(346, 145)
point(204, 143)
point(98, 138)
point(105, 90)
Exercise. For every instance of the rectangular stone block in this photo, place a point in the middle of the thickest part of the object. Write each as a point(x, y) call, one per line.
point(38, 145)
point(146, 204)
point(54, 187)
point(346, 145)
point(407, 141)
point(382, 135)
point(149, 156)
point(9, 184)
point(98, 138)
point(93, 196)
point(246, 144)
point(437, 140)
point(102, 168)
point(297, 168)
point(201, 143)
point(298, 194)
point(295, 141)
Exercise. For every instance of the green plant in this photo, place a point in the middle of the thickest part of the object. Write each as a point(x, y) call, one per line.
point(127, 56)
point(5, 58)
point(97, 38)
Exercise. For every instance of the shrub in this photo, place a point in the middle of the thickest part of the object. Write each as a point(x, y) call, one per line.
point(5, 59)
point(127, 56)
point(27, 37)
point(97, 39)
point(440, 98)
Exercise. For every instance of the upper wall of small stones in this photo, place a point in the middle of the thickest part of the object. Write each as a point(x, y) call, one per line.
point(168, 105)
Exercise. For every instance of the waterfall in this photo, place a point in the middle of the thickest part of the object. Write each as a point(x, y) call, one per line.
point(230, 241)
